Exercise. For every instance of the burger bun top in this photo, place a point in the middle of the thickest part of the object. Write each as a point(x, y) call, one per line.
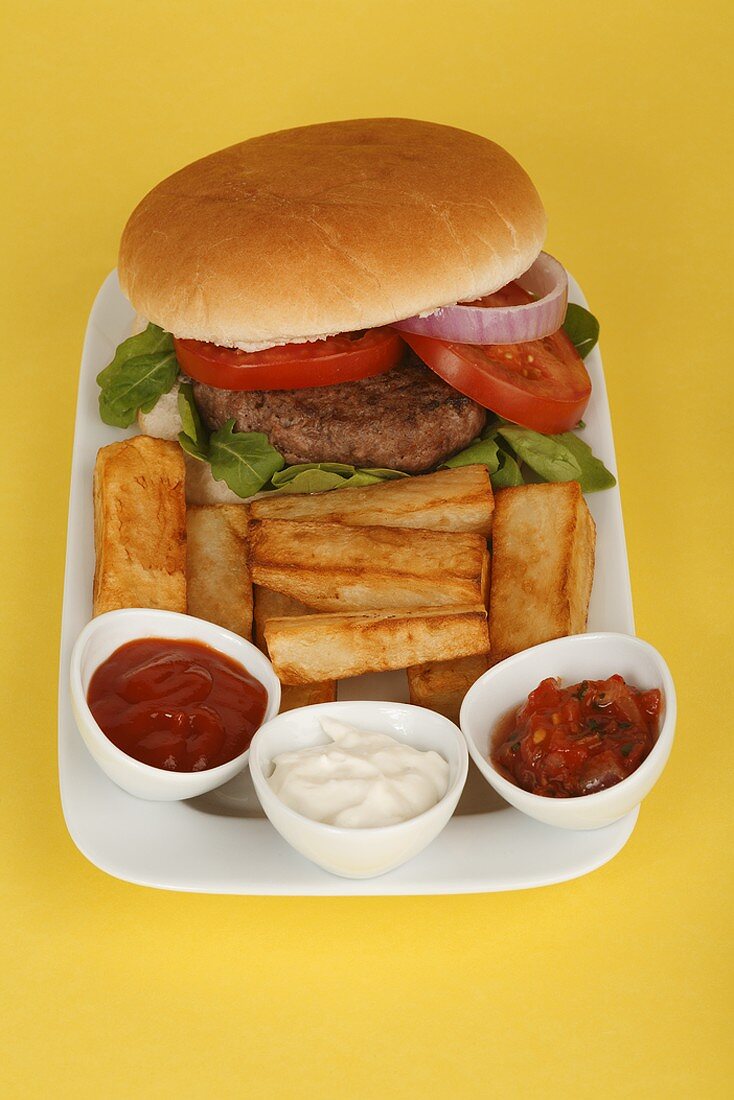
point(330, 228)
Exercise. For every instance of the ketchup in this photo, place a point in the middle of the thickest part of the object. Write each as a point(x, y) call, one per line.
point(566, 742)
point(177, 705)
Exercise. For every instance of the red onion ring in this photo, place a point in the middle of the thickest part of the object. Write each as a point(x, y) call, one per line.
point(468, 324)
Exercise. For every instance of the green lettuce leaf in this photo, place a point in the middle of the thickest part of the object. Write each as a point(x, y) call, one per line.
point(338, 469)
point(311, 481)
point(319, 480)
point(594, 474)
point(542, 453)
point(582, 327)
point(481, 452)
point(364, 477)
point(245, 461)
point(143, 369)
point(382, 474)
point(194, 438)
point(317, 477)
point(508, 473)
point(562, 457)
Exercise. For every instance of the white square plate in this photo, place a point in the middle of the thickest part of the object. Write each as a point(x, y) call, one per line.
point(221, 842)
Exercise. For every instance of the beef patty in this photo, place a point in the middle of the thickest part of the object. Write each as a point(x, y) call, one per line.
point(405, 419)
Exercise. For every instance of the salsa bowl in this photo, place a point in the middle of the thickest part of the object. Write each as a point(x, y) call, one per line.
point(579, 657)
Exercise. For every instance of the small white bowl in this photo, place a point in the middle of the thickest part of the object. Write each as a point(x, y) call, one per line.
point(100, 638)
point(579, 657)
point(359, 853)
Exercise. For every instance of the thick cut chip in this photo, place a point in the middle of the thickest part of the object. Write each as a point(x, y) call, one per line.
point(293, 696)
point(219, 588)
point(442, 685)
point(332, 567)
point(139, 526)
point(272, 605)
point(333, 646)
point(542, 566)
point(448, 500)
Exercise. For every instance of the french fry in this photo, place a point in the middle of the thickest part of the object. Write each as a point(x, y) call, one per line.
point(542, 566)
point(448, 500)
point(442, 685)
point(273, 605)
point(318, 647)
point(218, 586)
point(332, 567)
point(293, 696)
point(270, 605)
point(139, 526)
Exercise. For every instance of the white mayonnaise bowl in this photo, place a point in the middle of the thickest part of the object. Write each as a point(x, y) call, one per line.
point(358, 852)
point(100, 638)
point(579, 657)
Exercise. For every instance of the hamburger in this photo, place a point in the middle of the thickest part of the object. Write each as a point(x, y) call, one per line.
point(343, 302)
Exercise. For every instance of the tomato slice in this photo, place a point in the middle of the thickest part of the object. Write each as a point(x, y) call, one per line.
point(541, 384)
point(344, 358)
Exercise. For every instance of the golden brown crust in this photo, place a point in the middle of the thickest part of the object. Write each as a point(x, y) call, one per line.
point(139, 526)
point(274, 605)
point(318, 647)
point(447, 500)
point(329, 228)
point(543, 540)
point(219, 588)
point(333, 567)
point(293, 696)
point(581, 567)
point(442, 685)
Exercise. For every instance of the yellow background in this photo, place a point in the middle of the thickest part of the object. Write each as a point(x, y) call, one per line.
point(617, 984)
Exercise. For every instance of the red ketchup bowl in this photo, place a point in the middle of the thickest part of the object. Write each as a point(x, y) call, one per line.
point(168, 704)
point(604, 756)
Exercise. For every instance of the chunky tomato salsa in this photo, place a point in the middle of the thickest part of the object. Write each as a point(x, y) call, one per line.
point(569, 741)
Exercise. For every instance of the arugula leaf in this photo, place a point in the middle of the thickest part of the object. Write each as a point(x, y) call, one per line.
point(338, 469)
point(191, 448)
point(382, 474)
point(144, 368)
point(364, 477)
point(327, 475)
point(507, 474)
point(194, 438)
point(562, 457)
point(310, 481)
point(244, 460)
point(542, 453)
point(482, 451)
point(594, 474)
point(319, 480)
point(582, 327)
point(148, 342)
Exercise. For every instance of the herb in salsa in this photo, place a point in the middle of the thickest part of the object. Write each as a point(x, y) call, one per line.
point(566, 742)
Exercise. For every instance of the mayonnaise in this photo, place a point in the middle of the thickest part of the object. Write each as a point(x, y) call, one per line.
point(360, 780)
